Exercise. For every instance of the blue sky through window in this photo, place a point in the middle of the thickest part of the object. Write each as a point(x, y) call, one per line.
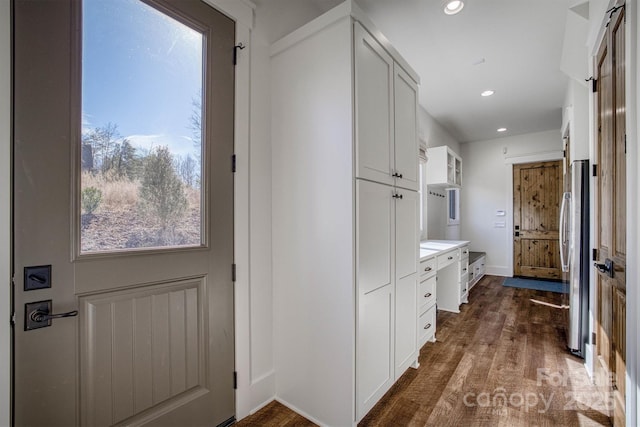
point(141, 71)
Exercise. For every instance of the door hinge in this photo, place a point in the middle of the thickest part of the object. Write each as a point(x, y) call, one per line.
point(593, 338)
point(594, 85)
point(233, 163)
point(235, 380)
point(594, 169)
point(625, 143)
point(12, 320)
point(594, 254)
point(237, 47)
point(233, 272)
point(564, 154)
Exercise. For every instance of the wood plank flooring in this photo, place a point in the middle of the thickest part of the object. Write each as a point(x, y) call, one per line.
point(500, 362)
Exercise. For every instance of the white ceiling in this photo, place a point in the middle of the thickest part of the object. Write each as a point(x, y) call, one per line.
point(513, 47)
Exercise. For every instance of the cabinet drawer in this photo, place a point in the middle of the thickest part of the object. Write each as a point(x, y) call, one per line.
point(427, 295)
point(427, 267)
point(464, 268)
point(464, 252)
point(427, 325)
point(464, 283)
point(448, 258)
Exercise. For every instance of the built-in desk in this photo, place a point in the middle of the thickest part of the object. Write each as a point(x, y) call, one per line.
point(444, 266)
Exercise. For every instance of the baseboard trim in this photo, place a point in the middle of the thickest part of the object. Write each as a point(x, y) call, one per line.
point(498, 270)
point(263, 391)
point(299, 412)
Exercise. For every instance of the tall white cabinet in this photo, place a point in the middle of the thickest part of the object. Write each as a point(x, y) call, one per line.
point(345, 216)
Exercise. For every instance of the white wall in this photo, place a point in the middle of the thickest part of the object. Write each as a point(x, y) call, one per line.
point(432, 134)
point(5, 211)
point(436, 213)
point(273, 19)
point(487, 188)
point(575, 118)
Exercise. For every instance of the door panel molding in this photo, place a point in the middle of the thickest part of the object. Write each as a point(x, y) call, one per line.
point(135, 338)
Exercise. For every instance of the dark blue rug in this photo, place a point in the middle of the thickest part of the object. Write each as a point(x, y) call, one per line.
point(539, 285)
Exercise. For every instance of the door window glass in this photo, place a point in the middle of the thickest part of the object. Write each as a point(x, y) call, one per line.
point(141, 154)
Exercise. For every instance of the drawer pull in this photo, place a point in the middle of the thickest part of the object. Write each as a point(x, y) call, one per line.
point(427, 295)
point(450, 257)
point(427, 269)
point(464, 269)
point(428, 326)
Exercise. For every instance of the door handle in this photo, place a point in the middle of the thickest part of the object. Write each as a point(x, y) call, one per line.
point(41, 315)
point(606, 268)
point(38, 315)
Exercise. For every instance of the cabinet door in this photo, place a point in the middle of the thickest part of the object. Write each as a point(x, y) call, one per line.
point(374, 355)
point(406, 129)
point(406, 275)
point(375, 212)
point(374, 108)
point(375, 328)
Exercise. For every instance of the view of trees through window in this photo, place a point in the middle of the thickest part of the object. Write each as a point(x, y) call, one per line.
point(141, 164)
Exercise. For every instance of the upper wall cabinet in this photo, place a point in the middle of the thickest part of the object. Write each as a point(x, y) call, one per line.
point(386, 115)
point(444, 167)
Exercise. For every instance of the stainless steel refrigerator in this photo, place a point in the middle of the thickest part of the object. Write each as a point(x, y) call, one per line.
point(574, 254)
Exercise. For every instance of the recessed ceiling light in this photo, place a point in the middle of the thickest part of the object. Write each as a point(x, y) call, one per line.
point(502, 129)
point(453, 6)
point(487, 93)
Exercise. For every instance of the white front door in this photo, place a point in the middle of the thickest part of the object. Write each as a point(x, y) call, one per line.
point(123, 138)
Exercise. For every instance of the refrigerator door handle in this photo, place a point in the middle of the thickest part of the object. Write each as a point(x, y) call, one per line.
point(566, 198)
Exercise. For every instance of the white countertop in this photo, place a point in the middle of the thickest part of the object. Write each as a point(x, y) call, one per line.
point(430, 248)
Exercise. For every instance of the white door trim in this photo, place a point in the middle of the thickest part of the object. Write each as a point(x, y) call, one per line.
point(5, 212)
point(633, 210)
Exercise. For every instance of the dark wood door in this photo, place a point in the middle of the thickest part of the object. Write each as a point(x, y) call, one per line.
point(610, 366)
point(537, 191)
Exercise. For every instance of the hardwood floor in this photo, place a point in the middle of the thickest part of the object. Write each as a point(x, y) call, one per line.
point(500, 362)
